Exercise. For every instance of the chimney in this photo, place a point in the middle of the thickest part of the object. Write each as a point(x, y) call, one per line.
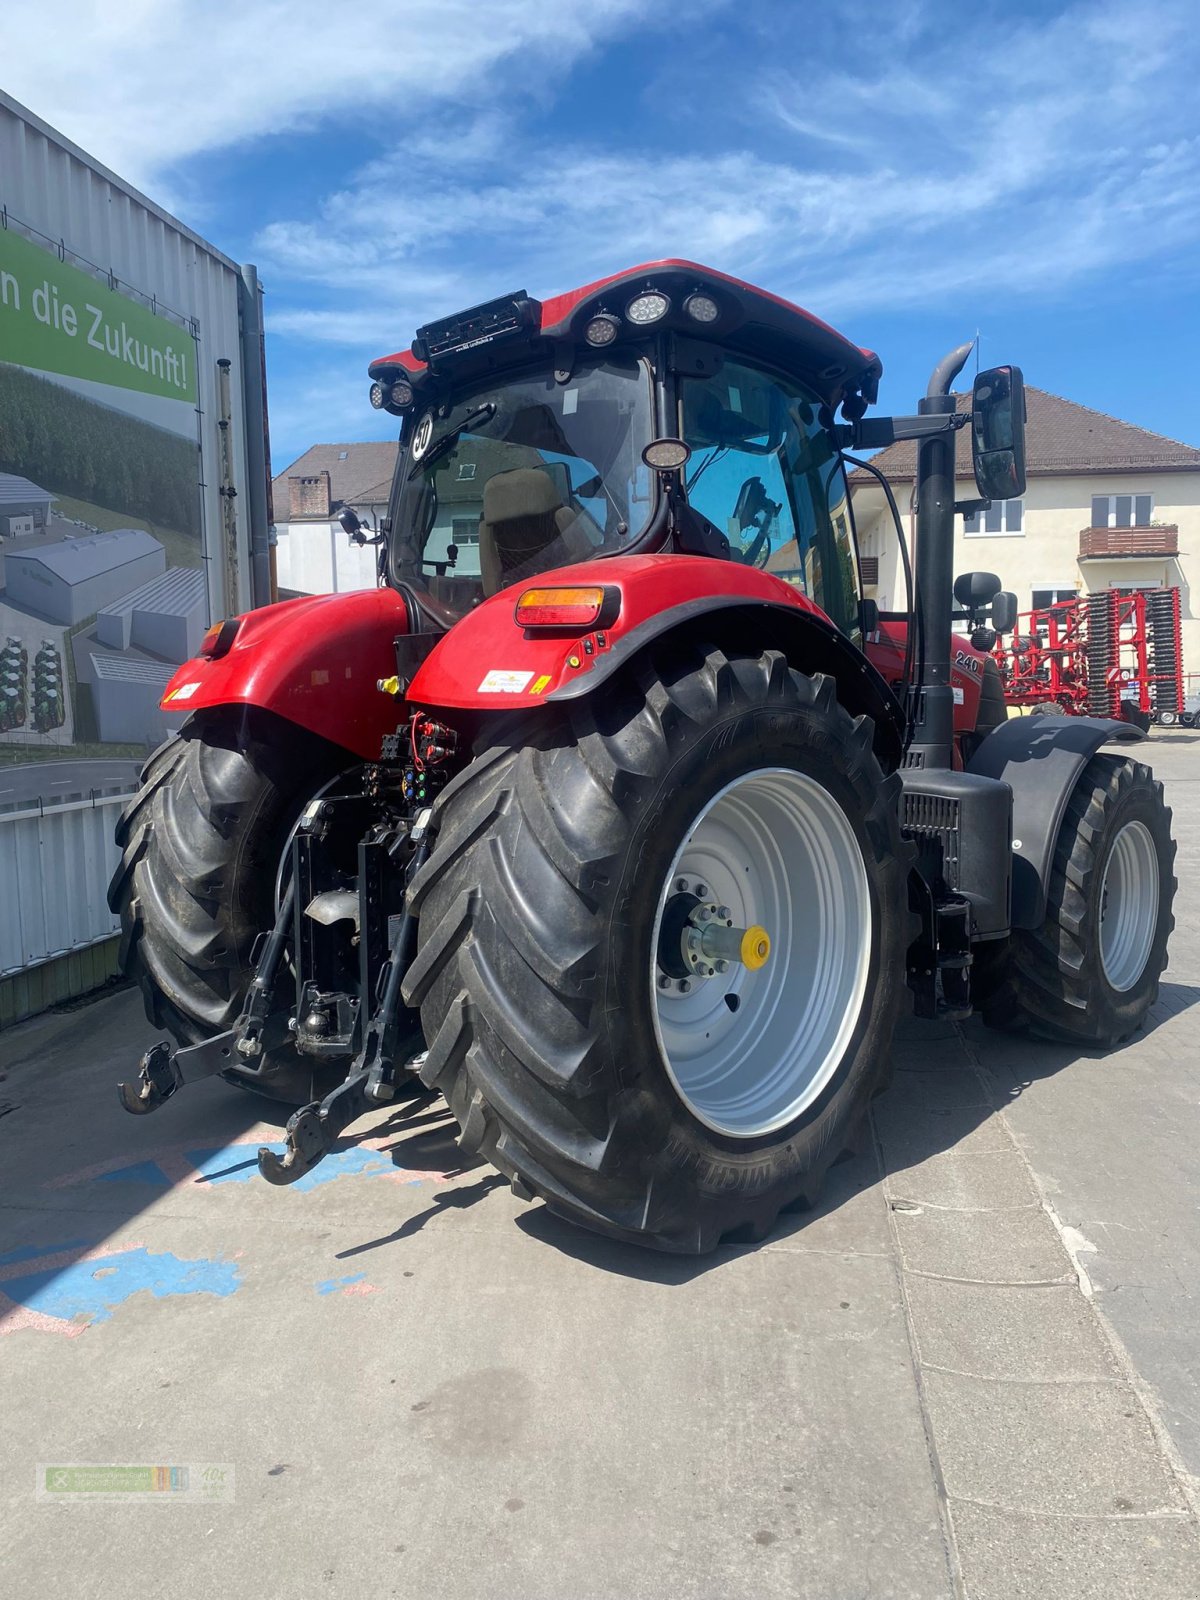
point(309, 497)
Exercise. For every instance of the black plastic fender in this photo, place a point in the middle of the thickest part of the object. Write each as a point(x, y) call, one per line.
point(811, 644)
point(1040, 758)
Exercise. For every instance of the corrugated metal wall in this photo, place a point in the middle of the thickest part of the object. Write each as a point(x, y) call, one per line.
point(54, 868)
point(50, 186)
point(55, 863)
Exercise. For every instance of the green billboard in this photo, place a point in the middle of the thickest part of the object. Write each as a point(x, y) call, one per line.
point(55, 318)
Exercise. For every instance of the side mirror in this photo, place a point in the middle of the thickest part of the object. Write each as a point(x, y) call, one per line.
point(998, 433)
point(1004, 611)
point(868, 617)
point(974, 590)
point(349, 521)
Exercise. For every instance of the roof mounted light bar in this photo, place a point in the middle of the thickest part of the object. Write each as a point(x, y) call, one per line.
point(510, 316)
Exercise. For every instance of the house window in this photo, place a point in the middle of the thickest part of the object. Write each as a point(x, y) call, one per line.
point(342, 454)
point(1002, 519)
point(465, 531)
point(466, 471)
point(1122, 510)
point(1045, 595)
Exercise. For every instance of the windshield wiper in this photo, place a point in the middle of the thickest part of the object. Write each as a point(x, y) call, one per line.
point(483, 413)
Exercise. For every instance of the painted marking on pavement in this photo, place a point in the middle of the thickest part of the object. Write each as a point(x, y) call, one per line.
point(67, 1288)
point(208, 1167)
point(356, 1283)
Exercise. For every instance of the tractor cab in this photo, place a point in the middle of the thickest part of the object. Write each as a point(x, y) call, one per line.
point(669, 409)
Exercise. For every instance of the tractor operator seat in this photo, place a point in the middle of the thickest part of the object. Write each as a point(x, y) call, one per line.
point(523, 513)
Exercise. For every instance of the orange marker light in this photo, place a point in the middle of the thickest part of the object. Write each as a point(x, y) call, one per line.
point(567, 608)
point(220, 637)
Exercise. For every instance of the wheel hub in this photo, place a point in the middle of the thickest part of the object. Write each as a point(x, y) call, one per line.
point(698, 940)
point(761, 952)
point(1128, 906)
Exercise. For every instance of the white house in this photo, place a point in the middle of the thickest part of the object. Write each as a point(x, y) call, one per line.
point(313, 554)
point(1107, 505)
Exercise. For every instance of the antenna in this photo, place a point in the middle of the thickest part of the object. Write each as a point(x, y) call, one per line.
point(976, 352)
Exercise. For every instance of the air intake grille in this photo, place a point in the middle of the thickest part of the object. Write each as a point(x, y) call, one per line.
point(930, 813)
point(931, 821)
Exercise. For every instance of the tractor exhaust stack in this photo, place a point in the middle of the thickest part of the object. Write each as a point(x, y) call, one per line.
point(933, 738)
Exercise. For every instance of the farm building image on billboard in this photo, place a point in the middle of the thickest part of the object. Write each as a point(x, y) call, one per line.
point(102, 587)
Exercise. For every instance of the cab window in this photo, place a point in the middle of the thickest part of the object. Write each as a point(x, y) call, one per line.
point(764, 471)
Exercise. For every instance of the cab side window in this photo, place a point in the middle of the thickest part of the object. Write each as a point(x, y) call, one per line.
point(764, 472)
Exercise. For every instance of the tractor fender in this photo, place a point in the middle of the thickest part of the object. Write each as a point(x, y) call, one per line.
point(809, 640)
point(488, 662)
point(315, 662)
point(1041, 758)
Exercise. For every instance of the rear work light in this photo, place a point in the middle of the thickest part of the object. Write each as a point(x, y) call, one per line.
point(220, 637)
point(576, 609)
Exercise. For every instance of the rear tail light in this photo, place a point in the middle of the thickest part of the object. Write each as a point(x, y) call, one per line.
point(220, 637)
point(576, 608)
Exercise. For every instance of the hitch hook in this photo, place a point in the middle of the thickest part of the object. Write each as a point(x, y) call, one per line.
point(156, 1082)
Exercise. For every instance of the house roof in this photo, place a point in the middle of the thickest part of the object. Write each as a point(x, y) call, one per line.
point(786, 559)
point(75, 560)
point(364, 477)
point(1061, 437)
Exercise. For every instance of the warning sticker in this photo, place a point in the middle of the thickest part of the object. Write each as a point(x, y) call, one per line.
point(185, 691)
point(541, 685)
point(501, 682)
point(958, 695)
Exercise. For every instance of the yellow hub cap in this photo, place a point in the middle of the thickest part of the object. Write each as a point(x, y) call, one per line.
point(756, 948)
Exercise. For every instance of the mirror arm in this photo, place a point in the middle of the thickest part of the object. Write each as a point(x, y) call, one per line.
point(968, 508)
point(874, 433)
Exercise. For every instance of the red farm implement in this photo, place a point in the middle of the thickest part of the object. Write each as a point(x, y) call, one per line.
point(1110, 654)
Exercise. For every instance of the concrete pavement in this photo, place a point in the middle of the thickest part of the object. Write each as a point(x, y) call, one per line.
point(970, 1373)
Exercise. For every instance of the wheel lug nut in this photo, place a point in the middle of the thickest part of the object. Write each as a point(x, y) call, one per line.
point(663, 981)
point(681, 885)
point(722, 966)
point(725, 914)
point(702, 891)
point(685, 985)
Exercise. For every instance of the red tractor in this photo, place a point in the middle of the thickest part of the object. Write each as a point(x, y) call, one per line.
point(615, 814)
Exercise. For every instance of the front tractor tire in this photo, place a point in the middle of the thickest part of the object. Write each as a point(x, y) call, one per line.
point(201, 845)
point(1090, 973)
point(661, 948)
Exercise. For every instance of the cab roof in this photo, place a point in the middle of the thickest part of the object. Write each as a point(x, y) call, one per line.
point(750, 322)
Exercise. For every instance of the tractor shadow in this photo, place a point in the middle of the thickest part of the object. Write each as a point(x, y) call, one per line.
point(947, 1083)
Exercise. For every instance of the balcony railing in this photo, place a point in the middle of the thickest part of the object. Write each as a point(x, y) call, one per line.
point(1095, 543)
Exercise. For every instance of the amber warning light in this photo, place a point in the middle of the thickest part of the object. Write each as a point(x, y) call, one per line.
point(577, 608)
point(220, 637)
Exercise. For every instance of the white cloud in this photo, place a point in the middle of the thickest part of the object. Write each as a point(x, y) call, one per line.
point(145, 83)
point(1009, 158)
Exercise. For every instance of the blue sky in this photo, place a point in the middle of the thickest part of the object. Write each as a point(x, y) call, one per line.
point(912, 172)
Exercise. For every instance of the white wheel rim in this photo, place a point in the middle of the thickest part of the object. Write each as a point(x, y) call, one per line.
point(777, 850)
point(1128, 906)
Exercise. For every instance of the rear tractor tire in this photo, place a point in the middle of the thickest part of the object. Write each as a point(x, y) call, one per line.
point(661, 948)
point(1090, 973)
point(201, 845)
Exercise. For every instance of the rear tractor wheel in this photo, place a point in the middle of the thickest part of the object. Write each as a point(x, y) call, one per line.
point(204, 847)
point(1090, 973)
point(661, 949)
